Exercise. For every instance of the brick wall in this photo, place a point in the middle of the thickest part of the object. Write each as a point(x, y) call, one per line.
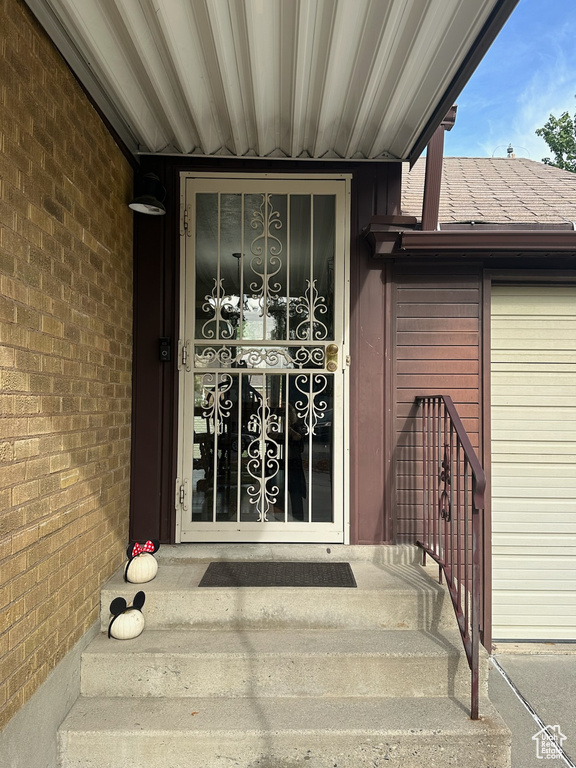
point(65, 357)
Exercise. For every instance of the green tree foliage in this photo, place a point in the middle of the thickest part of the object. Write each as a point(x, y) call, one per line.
point(560, 135)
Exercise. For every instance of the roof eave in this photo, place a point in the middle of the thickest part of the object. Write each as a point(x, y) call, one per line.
point(490, 30)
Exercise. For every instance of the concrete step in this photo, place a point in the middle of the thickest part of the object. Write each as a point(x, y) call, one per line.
point(383, 554)
point(387, 597)
point(274, 663)
point(281, 733)
point(283, 677)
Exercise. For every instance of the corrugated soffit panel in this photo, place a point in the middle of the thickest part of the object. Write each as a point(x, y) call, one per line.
point(267, 78)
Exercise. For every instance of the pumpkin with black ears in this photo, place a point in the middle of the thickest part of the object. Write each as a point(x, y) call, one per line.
point(142, 566)
point(127, 620)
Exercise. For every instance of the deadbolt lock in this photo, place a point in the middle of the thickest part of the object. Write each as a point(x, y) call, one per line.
point(332, 357)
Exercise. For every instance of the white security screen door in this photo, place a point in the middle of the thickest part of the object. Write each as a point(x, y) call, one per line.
point(263, 369)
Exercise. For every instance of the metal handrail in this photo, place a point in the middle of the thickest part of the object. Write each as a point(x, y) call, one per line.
point(452, 535)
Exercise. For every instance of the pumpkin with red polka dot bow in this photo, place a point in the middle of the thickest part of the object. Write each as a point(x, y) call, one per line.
point(142, 565)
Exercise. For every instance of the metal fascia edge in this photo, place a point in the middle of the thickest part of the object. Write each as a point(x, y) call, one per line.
point(487, 35)
point(81, 69)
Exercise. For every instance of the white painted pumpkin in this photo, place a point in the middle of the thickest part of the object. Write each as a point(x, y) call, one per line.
point(141, 568)
point(128, 625)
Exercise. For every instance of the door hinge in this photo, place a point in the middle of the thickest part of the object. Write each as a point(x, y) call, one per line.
point(185, 355)
point(186, 221)
point(181, 494)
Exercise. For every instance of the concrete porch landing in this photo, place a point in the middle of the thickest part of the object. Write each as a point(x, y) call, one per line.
point(279, 677)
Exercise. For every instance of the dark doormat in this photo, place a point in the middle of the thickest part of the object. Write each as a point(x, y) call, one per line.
point(273, 574)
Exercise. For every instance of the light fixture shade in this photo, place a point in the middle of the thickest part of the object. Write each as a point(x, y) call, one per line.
point(150, 199)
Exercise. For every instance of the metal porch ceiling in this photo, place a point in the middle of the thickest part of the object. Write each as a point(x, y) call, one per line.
point(274, 78)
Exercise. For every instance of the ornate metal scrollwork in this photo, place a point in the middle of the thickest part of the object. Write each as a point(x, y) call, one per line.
point(224, 313)
point(305, 356)
point(259, 357)
point(266, 249)
point(311, 305)
point(311, 410)
point(210, 356)
point(446, 481)
point(263, 460)
point(216, 404)
point(270, 357)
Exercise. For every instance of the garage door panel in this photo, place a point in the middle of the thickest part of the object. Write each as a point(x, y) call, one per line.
point(533, 512)
point(505, 484)
point(507, 544)
point(528, 588)
point(537, 379)
point(511, 326)
point(536, 386)
point(535, 528)
point(549, 491)
point(534, 412)
point(512, 612)
point(545, 305)
point(519, 566)
point(530, 460)
point(506, 324)
point(537, 625)
point(531, 289)
point(534, 626)
point(537, 573)
point(538, 360)
point(533, 390)
point(534, 448)
point(541, 399)
point(542, 597)
point(508, 416)
point(520, 634)
point(556, 432)
point(534, 475)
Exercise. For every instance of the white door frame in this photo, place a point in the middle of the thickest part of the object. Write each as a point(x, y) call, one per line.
point(186, 529)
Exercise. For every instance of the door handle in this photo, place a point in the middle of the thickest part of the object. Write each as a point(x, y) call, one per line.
point(332, 357)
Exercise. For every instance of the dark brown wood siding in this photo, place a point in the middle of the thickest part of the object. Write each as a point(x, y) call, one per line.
point(437, 350)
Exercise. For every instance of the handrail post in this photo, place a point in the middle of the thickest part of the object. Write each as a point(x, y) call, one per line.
point(476, 585)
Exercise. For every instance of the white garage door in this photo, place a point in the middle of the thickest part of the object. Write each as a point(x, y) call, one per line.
point(534, 462)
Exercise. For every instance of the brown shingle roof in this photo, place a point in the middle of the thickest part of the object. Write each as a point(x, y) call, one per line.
point(495, 190)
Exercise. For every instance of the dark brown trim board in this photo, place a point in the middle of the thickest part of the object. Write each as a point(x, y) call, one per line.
point(492, 243)
point(487, 457)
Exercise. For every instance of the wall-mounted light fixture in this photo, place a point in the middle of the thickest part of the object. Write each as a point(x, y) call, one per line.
point(151, 194)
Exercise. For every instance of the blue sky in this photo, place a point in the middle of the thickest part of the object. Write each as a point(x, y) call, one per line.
point(528, 73)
